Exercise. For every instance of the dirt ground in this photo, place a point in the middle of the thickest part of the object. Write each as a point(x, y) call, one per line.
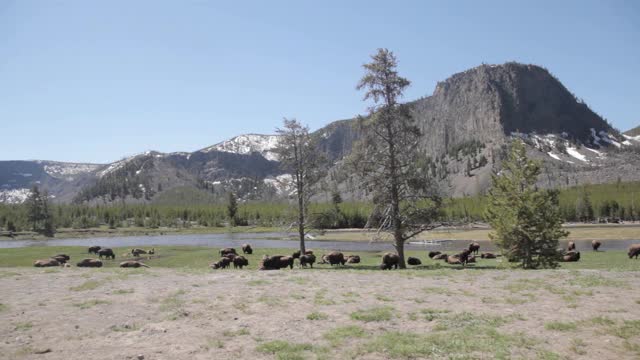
point(318, 314)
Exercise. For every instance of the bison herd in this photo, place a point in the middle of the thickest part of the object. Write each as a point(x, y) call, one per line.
point(107, 253)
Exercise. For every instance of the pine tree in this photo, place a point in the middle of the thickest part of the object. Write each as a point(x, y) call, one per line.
point(526, 220)
point(232, 208)
point(38, 213)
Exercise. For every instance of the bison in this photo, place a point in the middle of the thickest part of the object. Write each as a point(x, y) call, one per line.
point(488, 255)
point(276, 262)
point(595, 244)
point(136, 252)
point(89, 263)
point(441, 256)
point(132, 264)
point(571, 246)
point(106, 252)
point(634, 250)
point(454, 260)
point(433, 254)
point(226, 251)
point(246, 249)
point(62, 258)
point(46, 263)
point(471, 259)
point(474, 247)
point(353, 259)
point(307, 259)
point(296, 254)
point(414, 261)
point(223, 263)
point(390, 260)
point(94, 249)
point(335, 258)
point(464, 256)
point(239, 262)
point(571, 256)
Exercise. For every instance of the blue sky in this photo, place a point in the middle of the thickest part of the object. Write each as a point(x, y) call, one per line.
point(94, 81)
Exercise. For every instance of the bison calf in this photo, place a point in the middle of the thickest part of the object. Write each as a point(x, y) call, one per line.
point(246, 249)
point(414, 261)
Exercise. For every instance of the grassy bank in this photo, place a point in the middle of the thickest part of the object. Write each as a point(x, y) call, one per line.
point(190, 257)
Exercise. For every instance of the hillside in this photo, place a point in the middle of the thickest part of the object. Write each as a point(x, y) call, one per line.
point(466, 122)
point(635, 133)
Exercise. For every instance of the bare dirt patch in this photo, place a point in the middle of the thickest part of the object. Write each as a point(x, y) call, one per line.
point(318, 314)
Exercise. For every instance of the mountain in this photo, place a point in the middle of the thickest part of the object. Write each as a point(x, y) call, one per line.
point(467, 122)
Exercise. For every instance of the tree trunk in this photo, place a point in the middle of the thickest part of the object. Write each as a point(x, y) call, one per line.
point(301, 215)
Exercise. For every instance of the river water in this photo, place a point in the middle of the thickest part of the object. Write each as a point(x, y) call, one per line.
point(277, 240)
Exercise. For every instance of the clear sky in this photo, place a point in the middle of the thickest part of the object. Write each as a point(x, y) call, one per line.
point(94, 81)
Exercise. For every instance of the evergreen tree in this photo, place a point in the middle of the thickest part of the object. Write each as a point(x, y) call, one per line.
point(387, 153)
point(38, 213)
point(526, 220)
point(232, 208)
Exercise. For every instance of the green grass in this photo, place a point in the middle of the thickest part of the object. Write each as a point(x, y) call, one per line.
point(380, 313)
point(467, 319)
point(23, 326)
point(231, 333)
point(339, 335)
point(123, 291)
point(284, 350)
point(561, 326)
point(317, 316)
point(87, 285)
point(3, 307)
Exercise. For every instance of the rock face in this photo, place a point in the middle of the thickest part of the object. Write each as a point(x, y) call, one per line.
point(466, 122)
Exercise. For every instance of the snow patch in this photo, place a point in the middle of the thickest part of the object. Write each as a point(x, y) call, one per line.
point(247, 144)
point(574, 152)
point(14, 196)
point(64, 170)
point(282, 183)
point(554, 156)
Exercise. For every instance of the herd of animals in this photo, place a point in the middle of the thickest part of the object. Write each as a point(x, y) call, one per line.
point(229, 256)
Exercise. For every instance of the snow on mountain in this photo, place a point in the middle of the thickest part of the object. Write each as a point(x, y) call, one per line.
point(65, 170)
point(247, 144)
point(283, 184)
point(14, 196)
point(574, 152)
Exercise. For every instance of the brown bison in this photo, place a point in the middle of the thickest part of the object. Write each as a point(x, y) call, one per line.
point(46, 263)
point(464, 256)
point(226, 251)
point(89, 263)
point(488, 255)
point(137, 252)
point(246, 249)
point(239, 262)
point(94, 249)
point(230, 256)
point(132, 264)
point(454, 260)
point(390, 260)
point(335, 258)
point(634, 250)
point(441, 256)
point(108, 253)
point(307, 259)
point(571, 246)
point(276, 262)
point(223, 263)
point(62, 258)
point(471, 259)
point(595, 245)
point(296, 254)
point(353, 259)
point(433, 254)
point(474, 247)
point(413, 261)
point(571, 256)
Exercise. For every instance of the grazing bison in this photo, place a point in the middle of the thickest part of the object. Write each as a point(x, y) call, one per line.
point(89, 263)
point(571, 246)
point(108, 253)
point(634, 250)
point(239, 262)
point(353, 259)
point(571, 256)
point(246, 249)
point(488, 255)
point(226, 251)
point(276, 262)
point(307, 259)
point(414, 261)
point(62, 258)
point(441, 256)
point(46, 263)
point(474, 247)
point(390, 260)
point(335, 258)
point(137, 252)
point(296, 254)
point(595, 244)
point(223, 263)
point(433, 254)
point(132, 264)
point(94, 249)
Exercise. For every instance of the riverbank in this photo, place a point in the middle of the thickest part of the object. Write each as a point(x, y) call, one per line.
point(313, 314)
